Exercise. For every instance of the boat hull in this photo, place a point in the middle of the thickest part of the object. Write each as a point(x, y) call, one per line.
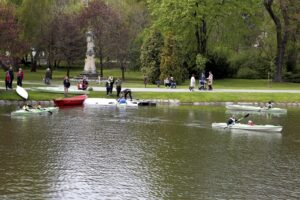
point(108, 102)
point(58, 90)
point(237, 126)
point(72, 101)
point(255, 109)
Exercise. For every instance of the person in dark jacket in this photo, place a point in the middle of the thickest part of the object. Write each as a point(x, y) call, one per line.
point(11, 73)
point(67, 84)
point(127, 92)
point(7, 80)
point(48, 76)
point(20, 77)
point(118, 86)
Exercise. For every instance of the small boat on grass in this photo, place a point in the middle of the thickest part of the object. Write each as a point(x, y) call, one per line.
point(35, 111)
point(59, 90)
point(71, 101)
point(256, 108)
point(238, 126)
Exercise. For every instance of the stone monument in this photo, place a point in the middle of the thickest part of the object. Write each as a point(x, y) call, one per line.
point(89, 66)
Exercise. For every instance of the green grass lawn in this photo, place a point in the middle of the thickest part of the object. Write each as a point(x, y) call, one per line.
point(135, 79)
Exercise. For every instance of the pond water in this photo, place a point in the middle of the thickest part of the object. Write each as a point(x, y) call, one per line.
point(163, 152)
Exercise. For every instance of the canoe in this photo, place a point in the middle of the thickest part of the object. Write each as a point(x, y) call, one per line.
point(22, 92)
point(59, 90)
point(71, 101)
point(238, 126)
point(128, 104)
point(256, 108)
point(34, 111)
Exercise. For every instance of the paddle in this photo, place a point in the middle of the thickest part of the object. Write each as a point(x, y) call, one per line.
point(247, 115)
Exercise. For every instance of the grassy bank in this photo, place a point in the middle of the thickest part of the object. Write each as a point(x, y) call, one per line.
point(182, 97)
point(135, 80)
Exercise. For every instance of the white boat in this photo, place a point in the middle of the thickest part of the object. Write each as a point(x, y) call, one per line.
point(265, 128)
point(255, 108)
point(59, 90)
point(109, 102)
point(34, 111)
point(22, 92)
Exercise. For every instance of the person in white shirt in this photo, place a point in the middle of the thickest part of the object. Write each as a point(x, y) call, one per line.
point(192, 83)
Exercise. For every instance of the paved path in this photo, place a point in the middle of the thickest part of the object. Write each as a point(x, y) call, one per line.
point(163, 89)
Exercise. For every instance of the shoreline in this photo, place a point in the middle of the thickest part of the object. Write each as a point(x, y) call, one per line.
point(161, 102)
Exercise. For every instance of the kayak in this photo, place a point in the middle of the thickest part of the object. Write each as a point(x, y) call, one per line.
point(100, 102)
point(22, 92)
point(243, 112)
point(59, 90)
point(71, 101)
point(34, 111)
point(265, 128)
point(128, 104)
point(256, 108)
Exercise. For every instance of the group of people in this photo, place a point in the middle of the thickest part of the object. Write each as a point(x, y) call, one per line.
point(203, 81)
point(9, 78)
point(83, 84)
point(169, 82)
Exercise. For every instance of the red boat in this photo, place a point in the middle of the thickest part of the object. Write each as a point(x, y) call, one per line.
point(71, 101)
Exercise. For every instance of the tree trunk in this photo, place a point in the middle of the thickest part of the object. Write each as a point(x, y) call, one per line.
point(123, 71)
point(201, 34)
point(281, 36)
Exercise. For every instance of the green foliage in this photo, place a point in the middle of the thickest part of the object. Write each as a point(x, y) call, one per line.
point(200, 63)
point(170, 64)
point(218, 64)
point(292, 77)
point(150, 56)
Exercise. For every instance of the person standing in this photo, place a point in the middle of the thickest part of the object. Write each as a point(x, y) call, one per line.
point(67, 84)
point(192, 83)
point(111, 84)
point(11, 73)
point(210, 81)
point(48, 76)
point(20, 77)
point(118, 86)
point(145, 81)
point(7, 80)
point(107, 85)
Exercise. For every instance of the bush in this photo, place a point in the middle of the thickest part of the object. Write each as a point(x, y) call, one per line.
point(291, 77)
point(247, 73)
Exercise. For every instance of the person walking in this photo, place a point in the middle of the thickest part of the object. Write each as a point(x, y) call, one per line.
point(48, 76)
point(20, 77)
point(7, 80)
point(192, 83)
point(145, 81)
point(11, 73)
point(210, 81)
point(118, 86)
point(67, 84)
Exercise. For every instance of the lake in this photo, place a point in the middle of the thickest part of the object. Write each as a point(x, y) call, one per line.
point(163, 152)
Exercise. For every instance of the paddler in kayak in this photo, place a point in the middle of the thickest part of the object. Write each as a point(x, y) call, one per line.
point(269, 105)
point(25, 107)
point(231, 120)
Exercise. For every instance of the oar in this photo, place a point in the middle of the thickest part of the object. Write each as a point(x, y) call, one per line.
point(247, 115)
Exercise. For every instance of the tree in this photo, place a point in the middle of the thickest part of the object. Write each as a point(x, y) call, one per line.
point(170, 64)
point(282, 34)
point(70, 40)
point(150, 56)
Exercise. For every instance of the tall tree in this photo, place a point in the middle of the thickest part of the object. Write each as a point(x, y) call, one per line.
point(170, 64)
point(150, 56)
point(70, 40)
point(282, 33)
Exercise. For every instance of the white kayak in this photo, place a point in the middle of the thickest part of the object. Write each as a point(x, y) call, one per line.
point(265, 128)
point(22, 92)
point(255, 108)
point(33, 111)
point(59, 90)
point(108, 102)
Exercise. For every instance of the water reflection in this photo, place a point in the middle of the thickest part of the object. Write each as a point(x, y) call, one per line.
point(146, 153)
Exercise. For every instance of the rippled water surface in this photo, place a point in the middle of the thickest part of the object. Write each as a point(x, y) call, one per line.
point(158, 152)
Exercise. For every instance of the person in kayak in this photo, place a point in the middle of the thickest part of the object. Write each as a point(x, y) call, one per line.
point(250, 123)
point(269, 105)
point(231, 120)
point(25, 107)
point(127, 92)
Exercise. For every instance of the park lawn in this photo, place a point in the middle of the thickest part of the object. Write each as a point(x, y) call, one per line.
point(189, 97)
point(134, 79)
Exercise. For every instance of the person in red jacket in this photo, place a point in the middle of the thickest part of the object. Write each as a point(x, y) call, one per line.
point(7, 80)
point(20, 77)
